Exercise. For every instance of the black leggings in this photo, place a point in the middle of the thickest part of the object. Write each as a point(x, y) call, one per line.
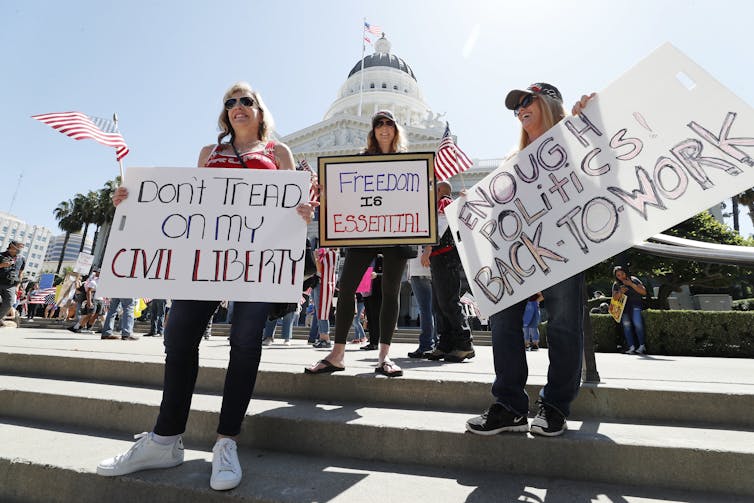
point(354, 267)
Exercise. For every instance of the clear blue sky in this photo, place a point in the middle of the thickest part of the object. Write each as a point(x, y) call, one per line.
point(164, 65)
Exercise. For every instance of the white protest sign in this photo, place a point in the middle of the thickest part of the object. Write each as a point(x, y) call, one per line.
point(659, 145)
point(208, 234)
point(377, 200)
point(83, 263)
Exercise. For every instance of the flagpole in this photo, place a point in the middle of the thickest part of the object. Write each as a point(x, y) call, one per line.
point(120, 161)
point(363, 50)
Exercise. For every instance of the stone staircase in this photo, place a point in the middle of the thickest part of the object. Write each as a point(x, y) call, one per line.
point(353, 437)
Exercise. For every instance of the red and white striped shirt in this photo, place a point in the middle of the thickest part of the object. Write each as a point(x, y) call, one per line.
point(328, 257)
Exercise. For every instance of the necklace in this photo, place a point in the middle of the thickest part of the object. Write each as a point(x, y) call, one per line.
point(247, 146)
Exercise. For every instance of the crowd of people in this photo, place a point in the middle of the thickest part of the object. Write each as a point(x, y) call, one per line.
point(367, 288)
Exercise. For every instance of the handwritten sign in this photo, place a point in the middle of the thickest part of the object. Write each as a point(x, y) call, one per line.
point(83, 263)
point(659, 145)
point(208, 234)
point(377, 200)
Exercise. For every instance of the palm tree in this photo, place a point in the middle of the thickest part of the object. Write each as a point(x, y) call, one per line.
point(104, 210)
point(68, 222)
point(83, 206)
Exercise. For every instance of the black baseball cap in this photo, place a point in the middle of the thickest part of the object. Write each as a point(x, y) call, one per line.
point(15, 243)
point(387, 114)
point(514, 97)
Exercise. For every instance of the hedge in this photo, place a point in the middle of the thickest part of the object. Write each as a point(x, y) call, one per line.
point(680, 333)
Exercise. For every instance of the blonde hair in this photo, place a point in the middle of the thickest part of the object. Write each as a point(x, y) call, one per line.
point(552, 113)
point(399, 143)
point(266, 123)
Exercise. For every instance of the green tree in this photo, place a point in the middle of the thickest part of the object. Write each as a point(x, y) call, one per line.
point(68, 222)
point(672, 273)
point(84, 205)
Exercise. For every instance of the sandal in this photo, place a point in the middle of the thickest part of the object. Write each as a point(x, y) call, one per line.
point(389, 369)
point(328, 368)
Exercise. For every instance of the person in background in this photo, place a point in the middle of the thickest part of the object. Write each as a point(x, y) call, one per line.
point(12, 267)
point(631, 320)
point(327, 268)
point(157, 317)
point(420, 278)
point(454, 334)
point(537, 108)
point(532, 317)
point(248, 122)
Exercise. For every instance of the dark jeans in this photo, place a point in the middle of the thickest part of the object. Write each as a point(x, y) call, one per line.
point(632, 316)
point(188, 319)
point(565, 344)
point(452, 327)
point(355, 265)
point(8, 295)
point(157, 313)
point(421, 286)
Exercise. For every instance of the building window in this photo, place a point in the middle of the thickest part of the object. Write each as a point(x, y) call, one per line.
point(384, 86)
point(395, 87)
point(371, 86)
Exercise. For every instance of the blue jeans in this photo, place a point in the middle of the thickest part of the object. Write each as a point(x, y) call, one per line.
point(186, 324)
point(126, 319)
point(323, 326)
point(157, 311)
point(531, 334)
point(565, 343)
point(633, 316)
point(287, 331)
point(358, 328)
point(422, 288)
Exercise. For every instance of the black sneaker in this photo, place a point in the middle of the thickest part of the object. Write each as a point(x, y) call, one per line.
point(459, 355)
point(435, 354)
point(419, 353)
point(74, 329)
point(495, 420)
point(549, 422)
point(322, 344)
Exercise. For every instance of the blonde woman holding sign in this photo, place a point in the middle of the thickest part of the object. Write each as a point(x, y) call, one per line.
point(248, 123)
point(537, 108)
point(385, 137)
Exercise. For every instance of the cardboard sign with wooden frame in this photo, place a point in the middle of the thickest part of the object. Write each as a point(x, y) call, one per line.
point(376, 200)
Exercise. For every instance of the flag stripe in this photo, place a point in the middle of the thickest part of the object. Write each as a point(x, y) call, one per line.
point(83, 127)
point(449, 159)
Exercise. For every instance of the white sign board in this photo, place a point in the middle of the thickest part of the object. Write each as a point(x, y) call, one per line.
point(377, 200)
point(84, 263)
point(659, 145)
point(208, 234)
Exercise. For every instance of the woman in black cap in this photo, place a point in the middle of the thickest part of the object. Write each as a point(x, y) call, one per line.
point(538, 108)
point(385, 137)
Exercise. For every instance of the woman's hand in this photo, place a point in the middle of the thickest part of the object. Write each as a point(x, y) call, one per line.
point(306, 210)
point(120, 195)
point(579, 106)
point(424, 259)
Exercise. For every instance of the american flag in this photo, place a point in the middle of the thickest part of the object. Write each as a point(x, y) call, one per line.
point(313, 191)
point(449, 160)
point(38, 296)
point(375, 30)
point(80, 127)
point(366, 39)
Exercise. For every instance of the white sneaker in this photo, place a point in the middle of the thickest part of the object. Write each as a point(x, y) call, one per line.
point(287, 343)
point(631, 351)
point(226, 470)
point(145, 454)
point(267, 342)
point(642, 350)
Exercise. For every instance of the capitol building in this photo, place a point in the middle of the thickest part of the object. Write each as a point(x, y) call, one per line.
point(380, 81)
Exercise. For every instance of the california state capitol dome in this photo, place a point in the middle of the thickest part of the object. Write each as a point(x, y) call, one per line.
point(388, 83)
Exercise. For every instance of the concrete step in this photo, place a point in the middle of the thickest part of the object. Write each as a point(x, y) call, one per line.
point(402, 334)
point(459, 392)
point(656, 455)
point(272, 477)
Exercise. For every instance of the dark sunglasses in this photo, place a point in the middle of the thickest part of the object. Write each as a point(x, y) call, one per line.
point(524, 103)
point(245, 101)
point(383, 122)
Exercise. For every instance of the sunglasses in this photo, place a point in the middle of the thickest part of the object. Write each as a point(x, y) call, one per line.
point(383, 122)
point(245, 101)
point(524, 103)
